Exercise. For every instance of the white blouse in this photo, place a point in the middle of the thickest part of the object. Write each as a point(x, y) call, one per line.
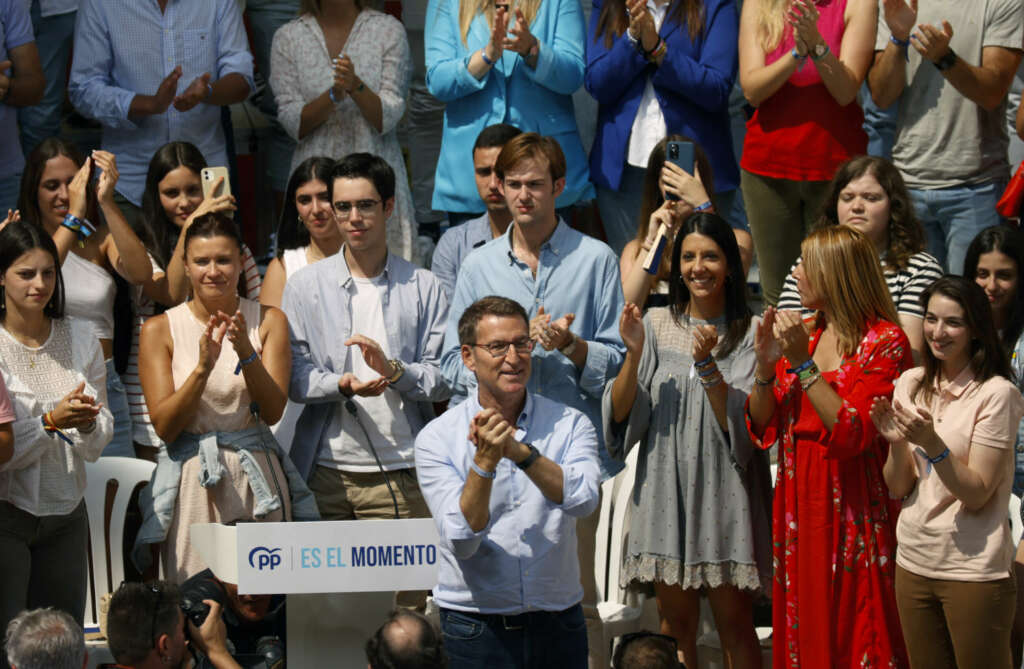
point(46, 476)
point(301, 71)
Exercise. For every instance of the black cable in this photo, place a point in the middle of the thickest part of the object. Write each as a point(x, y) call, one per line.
point(350, 406)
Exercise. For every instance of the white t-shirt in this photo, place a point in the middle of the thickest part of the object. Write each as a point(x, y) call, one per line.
point(382, 416)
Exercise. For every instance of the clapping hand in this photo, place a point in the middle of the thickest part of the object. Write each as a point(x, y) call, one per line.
point(349, 385)
point(76, 409)
point(345, 74)
point(931, 42)
point(493, 436)
point(237, 333)
point(705, 337)
point(883, 415)
point(13, 216)
point(631, 329)
point(196, 92)
point(557, 334)
point(522, 40)
point(766, 348)
point(803, 17)
point(499, 33)
point(373, 354)
point(900, 17)
point(165, 93)
point(641, 24)
point(791, 334)
point(211, 342)
point(107, 164)
point(78, 190)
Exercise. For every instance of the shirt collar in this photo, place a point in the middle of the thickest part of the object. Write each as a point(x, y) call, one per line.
point(345, 275)
point(555, 243)
point(474, 407)
point(961, 383)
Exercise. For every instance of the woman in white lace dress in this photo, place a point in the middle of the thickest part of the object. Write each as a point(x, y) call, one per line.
point(340, 75)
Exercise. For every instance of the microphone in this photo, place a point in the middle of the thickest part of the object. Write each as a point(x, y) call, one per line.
point(653, 260)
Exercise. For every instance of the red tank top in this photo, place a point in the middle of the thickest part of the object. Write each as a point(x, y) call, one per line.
point(801, 133)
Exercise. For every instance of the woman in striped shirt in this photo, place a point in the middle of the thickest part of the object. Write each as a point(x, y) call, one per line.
point(868, 194)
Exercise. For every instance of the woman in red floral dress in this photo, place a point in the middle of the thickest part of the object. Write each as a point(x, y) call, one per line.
point(834, 524)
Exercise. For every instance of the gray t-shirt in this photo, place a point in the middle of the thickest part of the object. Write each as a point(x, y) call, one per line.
point(943, 139)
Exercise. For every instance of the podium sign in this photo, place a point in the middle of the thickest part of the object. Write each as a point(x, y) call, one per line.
point(337, 556)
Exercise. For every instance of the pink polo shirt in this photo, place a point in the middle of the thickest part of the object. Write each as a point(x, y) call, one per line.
point(6, 410)
point(937, 537)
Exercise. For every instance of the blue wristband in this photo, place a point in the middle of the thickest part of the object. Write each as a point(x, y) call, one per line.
point(802, 367)
point(940, 457)
point(481, 472)
point(487, 60)
point(330, 92)
point(903, 44)
point(242, 363)
point(79, 226)
point(704, 207)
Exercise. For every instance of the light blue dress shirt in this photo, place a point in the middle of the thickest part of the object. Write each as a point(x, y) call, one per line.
point(525, 558)
point(577, 274)
point(127, 47)
point(15, 31)
point(455, 244)
point(318, 303)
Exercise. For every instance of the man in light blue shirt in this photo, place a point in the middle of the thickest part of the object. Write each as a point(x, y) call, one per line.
point(366, 333)
point(569, 285)
point(459, 240)
point(506, 474)
point(21, 84)
point(156, 71)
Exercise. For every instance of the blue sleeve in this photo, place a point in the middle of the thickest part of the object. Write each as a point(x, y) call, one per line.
point(580, 471)
point(233, 55)
point(17, 25)
point(442, 484)
point(422, 379)
point(444, 265)
point(309, 383)
point(446, 54)
point(91, 87)
point(610, 72)
point(709, 81)
point(560, 62)
point(459, 379)
point(605, 350)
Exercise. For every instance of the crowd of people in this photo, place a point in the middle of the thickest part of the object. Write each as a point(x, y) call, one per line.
point(495, 386)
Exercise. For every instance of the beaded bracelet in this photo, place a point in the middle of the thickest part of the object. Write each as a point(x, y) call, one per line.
point(713, 380)
point(940, 457)
point(764, 382)
point(51, 428)
point(79, 226)
point(658, 51)
point(810, 381)
point(706, 362)
point(242, 363)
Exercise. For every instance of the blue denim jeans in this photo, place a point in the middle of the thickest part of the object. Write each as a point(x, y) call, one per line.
point(117, 401)
point(534, 640)
point(952, 217)
point(53, 40)
point(879, 124)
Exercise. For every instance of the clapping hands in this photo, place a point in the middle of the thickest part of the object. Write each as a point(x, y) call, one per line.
point(896, 424)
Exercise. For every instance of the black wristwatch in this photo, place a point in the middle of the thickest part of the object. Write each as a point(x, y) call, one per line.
point(946, 62)
point(529, 459)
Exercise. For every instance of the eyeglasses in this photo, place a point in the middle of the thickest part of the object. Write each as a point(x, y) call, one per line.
point(365, 207)
point(499, 349)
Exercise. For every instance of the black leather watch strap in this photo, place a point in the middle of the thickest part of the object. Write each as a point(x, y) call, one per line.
point(529, 459)
point(946, 62)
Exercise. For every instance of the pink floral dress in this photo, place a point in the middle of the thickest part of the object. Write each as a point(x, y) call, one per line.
point(834, 524)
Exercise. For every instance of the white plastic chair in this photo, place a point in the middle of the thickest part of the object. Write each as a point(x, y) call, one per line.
point(106, 543)
point(1016, 528)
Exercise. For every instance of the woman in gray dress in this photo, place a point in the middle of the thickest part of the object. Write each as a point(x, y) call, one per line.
point(701, 502)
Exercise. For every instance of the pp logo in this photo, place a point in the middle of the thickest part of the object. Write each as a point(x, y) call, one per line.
point(262, 557)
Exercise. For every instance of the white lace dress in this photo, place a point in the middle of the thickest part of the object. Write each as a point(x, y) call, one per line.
point(301, 72)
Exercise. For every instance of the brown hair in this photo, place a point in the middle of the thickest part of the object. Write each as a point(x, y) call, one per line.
point(35, 165)
point(906, 236)
point(613, 21)
point(531, 146)
point(492, 305)
point(843, 266)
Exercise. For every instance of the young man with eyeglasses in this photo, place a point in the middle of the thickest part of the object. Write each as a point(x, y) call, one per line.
point(146, 629)
point(506, 474)
point(569, 285)
point(366, 334)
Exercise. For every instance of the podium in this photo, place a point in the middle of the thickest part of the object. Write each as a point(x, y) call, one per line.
point(339, 576)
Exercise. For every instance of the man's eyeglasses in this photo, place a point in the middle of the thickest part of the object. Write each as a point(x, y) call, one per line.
point(365, 207)
point(499, 349)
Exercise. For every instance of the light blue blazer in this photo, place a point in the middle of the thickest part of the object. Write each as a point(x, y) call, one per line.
point(533, 100)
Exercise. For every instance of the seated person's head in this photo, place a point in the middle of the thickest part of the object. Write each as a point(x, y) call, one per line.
point(646, 650)
point(406, 640)
point(45, 639)
point(489, 144)
point(145, 625)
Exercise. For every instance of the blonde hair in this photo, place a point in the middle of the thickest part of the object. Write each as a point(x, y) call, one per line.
point(771, 23)
point(468, 9)
point(842, 265)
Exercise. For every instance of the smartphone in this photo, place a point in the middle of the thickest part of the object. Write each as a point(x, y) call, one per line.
point(209, 175)
point(679, 154)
